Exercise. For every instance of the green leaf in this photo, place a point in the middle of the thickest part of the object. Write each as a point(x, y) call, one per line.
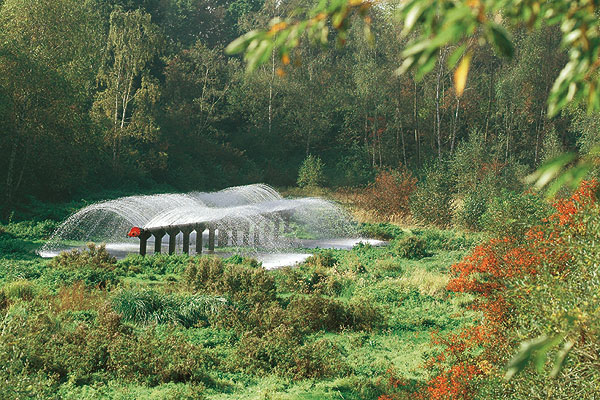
point(500, 38)
point(541, 354)
point(416, 48)
point(426, 62)
point(561, 357)
point(548, 171)
point(525, 354)
point(571, 178)
point(412, 16)
point(456, 55)
point(259, 55)
point(406, 65)
point(240, 44)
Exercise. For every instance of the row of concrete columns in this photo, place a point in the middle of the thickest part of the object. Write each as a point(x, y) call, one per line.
point(248, 236)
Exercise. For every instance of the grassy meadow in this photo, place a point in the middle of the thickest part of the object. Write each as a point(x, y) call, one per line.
point(340, 325)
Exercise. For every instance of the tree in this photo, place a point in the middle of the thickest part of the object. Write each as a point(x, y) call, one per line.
point(467, 23)
point(133, 41)
point(47, 52)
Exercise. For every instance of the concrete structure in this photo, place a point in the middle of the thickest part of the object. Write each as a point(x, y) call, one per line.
point(251, 234)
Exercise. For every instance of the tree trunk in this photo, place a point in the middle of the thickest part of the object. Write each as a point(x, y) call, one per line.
point(416, 126)
point(402, 139)
point(116, 118)
point(11, 171)
point(488, 113)
point(437, 102)
point(271, 91)
point(454, 125)
point(24, 163)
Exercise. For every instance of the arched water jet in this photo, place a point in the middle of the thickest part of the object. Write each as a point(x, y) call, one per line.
point(244, 219)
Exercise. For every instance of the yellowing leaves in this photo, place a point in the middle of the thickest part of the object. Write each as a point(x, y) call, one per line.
point(277, 27)
point(461, 73)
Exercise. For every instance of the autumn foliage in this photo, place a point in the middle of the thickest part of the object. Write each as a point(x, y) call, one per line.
point(389, 195)
point(494, 272)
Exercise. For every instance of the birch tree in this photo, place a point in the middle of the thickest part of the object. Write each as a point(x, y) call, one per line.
point(133, 41)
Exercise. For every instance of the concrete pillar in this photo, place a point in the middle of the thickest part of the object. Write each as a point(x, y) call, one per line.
point(186, 241)
point(286, 223)
point(246, 235)
point(222, 236)
point(234, 237)
point(259, 231)
point(172, 240)
point(251, 235)
point(276, 228)
point(199, 229)
point(144, 242)
point(211, 238)
point(158, 235)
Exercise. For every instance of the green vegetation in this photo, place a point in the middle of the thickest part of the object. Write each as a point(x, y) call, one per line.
point(482, 277)
point(311, 172)
point(125, 97)
point(88, 326)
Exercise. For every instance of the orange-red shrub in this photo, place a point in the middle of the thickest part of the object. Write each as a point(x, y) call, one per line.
point(389, 195)
point(489, 272)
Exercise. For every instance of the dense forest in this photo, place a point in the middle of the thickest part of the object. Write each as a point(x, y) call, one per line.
point(106, 94)
point(429, 127)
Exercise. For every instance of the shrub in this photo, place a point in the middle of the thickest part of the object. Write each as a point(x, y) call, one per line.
point(3, 301)
point(94, 266)
point(314, 313)
point(9, 245)
point(95, 257)
point(149, 306)
point(280, 351)
point(449, 240)
point(242, 284)
point(237, 259)
point(411, 247)
point(473, 207)
point(20, 290)
point(310, 280)
point(272, 351)
point(77, 297)
point(311, 173)
point(96, 278)
point(431, 201)
point(318, 360)
point(38, 344)
point(528, 287)
point(383, 231)
point(389, 195)
point(151, 360)
point(31, 229)
point(364, 314)
point(155, 264)
point(324, 259)
point(512, 214)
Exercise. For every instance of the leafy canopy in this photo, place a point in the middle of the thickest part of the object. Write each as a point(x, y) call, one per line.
point(463, 24)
